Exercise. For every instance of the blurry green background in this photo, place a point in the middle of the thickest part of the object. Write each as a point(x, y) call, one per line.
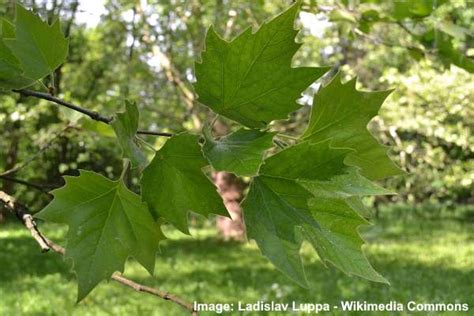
point(422, 240)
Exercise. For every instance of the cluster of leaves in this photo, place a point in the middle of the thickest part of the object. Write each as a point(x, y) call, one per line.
point(310, 190)
point(422, 119)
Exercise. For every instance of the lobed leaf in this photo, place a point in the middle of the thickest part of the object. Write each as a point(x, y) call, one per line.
point(173, 184)
point(250, 79)
point(11, 73)
point(305, 192)
point(342, 113)
point(40, 48)
point(107, 223)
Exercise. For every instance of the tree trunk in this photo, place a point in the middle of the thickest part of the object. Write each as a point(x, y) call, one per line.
point(231, 189)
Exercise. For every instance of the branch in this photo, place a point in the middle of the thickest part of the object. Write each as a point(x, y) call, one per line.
point(146, 289)
point(33, 157)
point(21, 212)
point(45, 96)
point(164, 134)
point(92, 114)
point(42, 188)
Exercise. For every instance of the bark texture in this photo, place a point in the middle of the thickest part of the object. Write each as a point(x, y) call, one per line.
point(231, 189)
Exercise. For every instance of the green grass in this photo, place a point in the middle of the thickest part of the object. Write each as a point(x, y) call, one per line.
point(426, 261)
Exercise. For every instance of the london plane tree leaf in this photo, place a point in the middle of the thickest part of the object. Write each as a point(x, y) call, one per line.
point(40, 48)
point(125, 126)
point(240, 152)
point(301, 193)
point(342, 113)
point(11, 73)
point(107, 223)
point(173, 184)
point(250, 79)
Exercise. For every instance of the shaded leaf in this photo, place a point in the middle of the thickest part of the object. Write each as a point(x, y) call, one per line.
point(173, 184)
point(107, 223)
point(306, 191)
point(250, 79)
point(11, 74)
point(342, 113)
point(125, 126)
point(240, 152)
point(40, 48)
point(449, 54)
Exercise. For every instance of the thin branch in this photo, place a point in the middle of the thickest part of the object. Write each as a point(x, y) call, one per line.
point(45, 96)
point(42, 188)
point(156, 292)
point(406, 29)
point(92, 114)
point(21, 212)
point(38, 153)
point(164, 134)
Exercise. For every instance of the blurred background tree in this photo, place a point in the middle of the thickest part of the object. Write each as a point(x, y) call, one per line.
point(145, 50)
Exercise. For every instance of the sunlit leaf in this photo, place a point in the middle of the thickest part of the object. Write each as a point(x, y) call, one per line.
point(250, 79)
point(107, 224)
point(39, 47)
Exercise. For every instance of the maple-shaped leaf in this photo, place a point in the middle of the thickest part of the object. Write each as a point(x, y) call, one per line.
point(107, 223)
point(11, 73)
point(342, 113)
point(250, 79)
point(39, 47)
point(302, 193)
point(240, 152)
point(173, 184)
point(125, 126)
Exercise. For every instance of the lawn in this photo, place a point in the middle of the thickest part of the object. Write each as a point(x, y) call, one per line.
point(425, 261)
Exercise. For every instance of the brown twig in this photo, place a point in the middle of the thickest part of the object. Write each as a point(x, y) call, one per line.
point(92, 114)
point(21, 212)
point(146, 289)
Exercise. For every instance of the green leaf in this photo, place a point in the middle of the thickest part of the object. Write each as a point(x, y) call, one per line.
point(125, 126)
point(414, 9)
point(11, 74)
point(240, 152)
point(342, 113)
point(307, 192)
point(449, 54)
point(97, 127)
point(107, 223)
point(40, 48)
point(338, 15)
point(173, 183)
point(250, 79)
